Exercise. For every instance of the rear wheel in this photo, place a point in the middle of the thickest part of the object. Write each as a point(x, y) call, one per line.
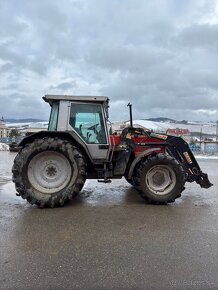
point(49, 172)
point(159, 179)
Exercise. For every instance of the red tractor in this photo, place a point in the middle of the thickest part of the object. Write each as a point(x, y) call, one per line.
point(52, 167)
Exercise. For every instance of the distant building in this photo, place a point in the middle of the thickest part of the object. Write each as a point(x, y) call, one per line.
point(31, 130)
point(178, 132)
point(4, 131)
point(117, 127)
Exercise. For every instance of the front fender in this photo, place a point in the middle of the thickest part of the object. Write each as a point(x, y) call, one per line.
point(141, 156)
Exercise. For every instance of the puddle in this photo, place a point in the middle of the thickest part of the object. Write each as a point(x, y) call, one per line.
point(6, 162)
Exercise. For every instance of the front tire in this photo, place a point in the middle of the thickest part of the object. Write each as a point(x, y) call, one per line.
point(48, 172)
point(130, 181)
point(159, 179)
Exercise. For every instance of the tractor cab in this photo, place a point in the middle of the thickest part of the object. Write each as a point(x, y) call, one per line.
point(84, 115)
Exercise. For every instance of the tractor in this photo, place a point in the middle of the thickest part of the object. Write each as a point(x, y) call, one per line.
point(52, 166)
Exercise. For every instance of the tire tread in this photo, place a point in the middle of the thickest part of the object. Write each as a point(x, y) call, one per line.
point(39, 145)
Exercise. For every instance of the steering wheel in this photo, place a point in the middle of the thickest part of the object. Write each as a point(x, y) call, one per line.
point(93, 127)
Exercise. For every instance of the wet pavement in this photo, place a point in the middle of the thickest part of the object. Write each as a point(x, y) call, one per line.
point(108, 238)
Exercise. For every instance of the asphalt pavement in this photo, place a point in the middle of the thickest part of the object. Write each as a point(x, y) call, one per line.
point(109, 238)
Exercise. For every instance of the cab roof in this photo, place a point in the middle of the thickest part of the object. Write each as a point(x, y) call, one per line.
point(95, 99)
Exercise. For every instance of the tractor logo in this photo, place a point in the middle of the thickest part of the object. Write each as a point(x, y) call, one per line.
point(159, 136)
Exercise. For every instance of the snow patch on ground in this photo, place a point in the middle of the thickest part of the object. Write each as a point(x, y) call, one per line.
point(4, 147)
point(206, 156)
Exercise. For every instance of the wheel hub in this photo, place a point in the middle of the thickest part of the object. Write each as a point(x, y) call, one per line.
point(160, 179)
point(49, 172)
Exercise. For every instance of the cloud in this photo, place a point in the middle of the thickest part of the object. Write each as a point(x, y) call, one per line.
point(199, 36)
point(25, 106)
point(161, 55)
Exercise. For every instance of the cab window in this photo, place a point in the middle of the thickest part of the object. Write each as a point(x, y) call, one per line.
point(87, 121)
point(53, 121)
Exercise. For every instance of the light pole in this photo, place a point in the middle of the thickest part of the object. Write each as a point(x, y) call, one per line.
point(216, 131)
point(201, 139)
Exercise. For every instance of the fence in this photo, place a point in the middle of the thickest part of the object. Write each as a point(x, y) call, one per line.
point(9, 140)
point(195, 148)
point(205, 147)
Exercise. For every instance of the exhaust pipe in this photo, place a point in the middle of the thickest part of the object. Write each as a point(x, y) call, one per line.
point(130, 114)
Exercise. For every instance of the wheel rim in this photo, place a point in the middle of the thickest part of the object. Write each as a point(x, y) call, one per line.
point(160, 179)
point(49, 172)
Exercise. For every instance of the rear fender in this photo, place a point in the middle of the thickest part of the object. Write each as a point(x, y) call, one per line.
point(69, 136)
point(141, 156)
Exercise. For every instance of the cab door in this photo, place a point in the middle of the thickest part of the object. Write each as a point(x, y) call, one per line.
point(88, 121)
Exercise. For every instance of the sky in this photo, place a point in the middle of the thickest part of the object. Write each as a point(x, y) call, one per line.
point(160, 55)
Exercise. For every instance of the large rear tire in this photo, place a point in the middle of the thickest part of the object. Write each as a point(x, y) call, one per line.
point(48, 172)
point(159, 179)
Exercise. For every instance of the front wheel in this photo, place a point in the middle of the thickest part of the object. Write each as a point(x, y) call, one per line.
point(159, 179)
point(130, 181)
point(49, 172)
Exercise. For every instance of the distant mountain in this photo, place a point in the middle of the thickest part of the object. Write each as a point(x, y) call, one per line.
point(167, 120)
point(162, 119)
point(30, 120)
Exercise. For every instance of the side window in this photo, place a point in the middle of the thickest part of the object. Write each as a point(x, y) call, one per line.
point(87, 121)
point(54, 117)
